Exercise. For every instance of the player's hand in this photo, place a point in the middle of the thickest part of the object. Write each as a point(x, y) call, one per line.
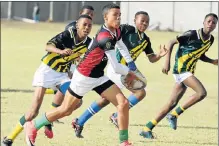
point(129, 80)
point(215, 62)
point(66, 52)
point(166, 68)
point(163, 51)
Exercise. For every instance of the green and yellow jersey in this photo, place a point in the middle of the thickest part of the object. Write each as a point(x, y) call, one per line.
point(191, 47)
point(135, 41)
point(65, 40)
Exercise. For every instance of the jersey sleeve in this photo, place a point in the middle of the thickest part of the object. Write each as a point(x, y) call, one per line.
point(124, 51)
point(117, 67)
point(126, 29)
point(148, 50)
point(105, 41)
point(185, 36)
point(71, 24)
point(60, 41)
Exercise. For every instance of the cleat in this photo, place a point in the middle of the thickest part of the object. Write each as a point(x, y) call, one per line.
point(78, 129)
point(147, 134)
point(7, 142)
point(172, 121)
point(114, 120)
point(48, 131)
point(31, 133)
point(126, 143)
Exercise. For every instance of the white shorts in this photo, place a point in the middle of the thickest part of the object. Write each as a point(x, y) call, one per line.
point(112, 75)
point(48, 78)
point(72, 68)
point(81, 84)
point(179, 78)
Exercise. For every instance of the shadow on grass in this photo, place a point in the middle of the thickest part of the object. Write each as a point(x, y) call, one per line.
point(180, 142)
point(17, 90)
point(185, 127)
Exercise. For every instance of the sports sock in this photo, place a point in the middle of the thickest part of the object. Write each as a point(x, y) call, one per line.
point(179, 110)
point(92, 110)
point(18, 128)
point(42, 121)
point(50, 91)
point(123, 135)
point(54, 105)
point(150, 125)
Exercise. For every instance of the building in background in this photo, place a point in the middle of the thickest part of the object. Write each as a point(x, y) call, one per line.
point(177, 16)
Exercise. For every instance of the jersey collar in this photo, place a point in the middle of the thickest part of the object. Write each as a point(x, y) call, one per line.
point(73, 33)
point(140, 34)
point(201, 36)
point(113, 34)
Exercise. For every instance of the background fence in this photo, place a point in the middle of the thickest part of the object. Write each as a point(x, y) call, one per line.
point(178, 16)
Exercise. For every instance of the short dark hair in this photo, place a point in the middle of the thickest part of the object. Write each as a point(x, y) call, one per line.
point(107, 7)
point(141, 12)
point(211, 14)
point(84, 16)
point(87, 7)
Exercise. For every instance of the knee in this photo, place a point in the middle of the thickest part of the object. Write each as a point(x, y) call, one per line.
point(66, 110)
point(124, 105)
point(202, 94)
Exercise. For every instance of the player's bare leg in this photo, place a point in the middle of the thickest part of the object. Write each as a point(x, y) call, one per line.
point(177, 93)
point(66, 108)
point(198, 87)
point(30, 115)
point(58, 98)
point(200, 94)
point(116, 97)
point(133, 99)
point(57, 101)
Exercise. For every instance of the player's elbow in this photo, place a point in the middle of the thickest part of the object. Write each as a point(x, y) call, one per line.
point(172, 43)
point(152, 58)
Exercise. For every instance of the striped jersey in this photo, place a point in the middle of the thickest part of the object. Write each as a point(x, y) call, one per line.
point(64, 40)
point(191, 47)
point(135, 41)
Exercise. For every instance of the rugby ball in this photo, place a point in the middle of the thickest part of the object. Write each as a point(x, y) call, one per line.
point(138, 84)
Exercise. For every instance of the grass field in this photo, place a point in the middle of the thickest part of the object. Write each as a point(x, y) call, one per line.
point(22, 46)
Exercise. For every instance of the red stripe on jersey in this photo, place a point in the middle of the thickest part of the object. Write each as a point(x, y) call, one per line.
point(90, 61)
point(104, 34)
point(118, 33)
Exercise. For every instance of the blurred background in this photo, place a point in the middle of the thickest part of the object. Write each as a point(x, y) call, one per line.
point(171, 16)
point(23, 41)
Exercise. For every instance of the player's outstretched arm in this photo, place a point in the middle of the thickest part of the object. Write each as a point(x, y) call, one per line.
point(209, 60)
point(166, 67)
point(155, 57)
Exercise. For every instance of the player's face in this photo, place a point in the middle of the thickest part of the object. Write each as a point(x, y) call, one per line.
point(142, 22)
point(88, 12)
point(210, 24)
point(84, 26)
point(113, 18)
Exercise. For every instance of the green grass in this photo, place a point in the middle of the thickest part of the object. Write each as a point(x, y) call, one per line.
point(22, 46)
